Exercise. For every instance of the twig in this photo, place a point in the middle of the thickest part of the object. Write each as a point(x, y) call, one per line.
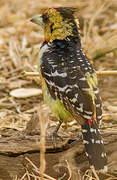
point(28, 176)
point(97, 72)
point(43, 126)
point(31, 73)
point(69, 169)
point(106, 72)
point(94, 172)
point(23, 176)
point(32, 175)
point(8, 105)
point(99, 53)
point(13, 71)
point(31, 163)
point(88, 175)
point(111, 114)
point(37, 170)
point(96, 14)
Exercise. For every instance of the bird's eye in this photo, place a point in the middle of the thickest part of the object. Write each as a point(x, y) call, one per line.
point(51, 27)
point(45, 19)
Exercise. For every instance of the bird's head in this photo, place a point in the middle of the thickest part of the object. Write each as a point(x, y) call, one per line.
point(58, 23)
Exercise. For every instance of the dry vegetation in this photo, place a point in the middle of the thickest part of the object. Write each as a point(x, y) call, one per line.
point(20, 41)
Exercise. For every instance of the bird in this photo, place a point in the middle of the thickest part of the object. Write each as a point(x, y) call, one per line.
point(68, 79)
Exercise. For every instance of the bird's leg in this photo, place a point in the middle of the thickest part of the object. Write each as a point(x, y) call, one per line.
point(55, 135)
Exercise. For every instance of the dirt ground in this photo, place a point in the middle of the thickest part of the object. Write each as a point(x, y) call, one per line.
point(20, 41)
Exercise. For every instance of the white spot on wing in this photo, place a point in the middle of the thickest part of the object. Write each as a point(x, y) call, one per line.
point(81, 104)
point(96, 91)
point(98, 142)
point(103, 155)
point(59, 74)
point(88, 112)
point(62, 89)
point(84, 130)
point(50, 82)
point(74, 100)
point(85, 142)
point(92, 130)
point(99, 117)
point(98, 105)
point(101, 142)
point(49, 75)
point(79, 109)
point(92, 140)
point(68, 90)
point(82, 79)
point(76, 95)
point(87, 117)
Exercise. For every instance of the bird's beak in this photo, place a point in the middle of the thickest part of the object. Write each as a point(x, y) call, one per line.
point(38, 20)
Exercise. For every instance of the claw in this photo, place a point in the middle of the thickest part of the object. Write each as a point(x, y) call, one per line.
point(55, 135)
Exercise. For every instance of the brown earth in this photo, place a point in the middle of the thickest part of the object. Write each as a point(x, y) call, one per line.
point(20, 41)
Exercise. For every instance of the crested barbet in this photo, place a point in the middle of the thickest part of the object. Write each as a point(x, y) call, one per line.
point(69, 81)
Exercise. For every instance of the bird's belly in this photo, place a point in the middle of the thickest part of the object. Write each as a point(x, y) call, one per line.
point(56, 106)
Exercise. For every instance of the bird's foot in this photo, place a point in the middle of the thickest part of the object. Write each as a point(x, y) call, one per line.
point(55, 135)
point(54, 138)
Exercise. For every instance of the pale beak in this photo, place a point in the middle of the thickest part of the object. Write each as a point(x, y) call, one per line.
point(38, 20)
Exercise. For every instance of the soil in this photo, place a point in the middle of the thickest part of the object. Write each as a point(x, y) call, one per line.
point(20, 41)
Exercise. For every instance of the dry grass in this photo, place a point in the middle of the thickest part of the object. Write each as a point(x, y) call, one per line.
point(20, 41)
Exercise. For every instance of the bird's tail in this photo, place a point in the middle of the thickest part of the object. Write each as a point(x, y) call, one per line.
point(94, 145)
